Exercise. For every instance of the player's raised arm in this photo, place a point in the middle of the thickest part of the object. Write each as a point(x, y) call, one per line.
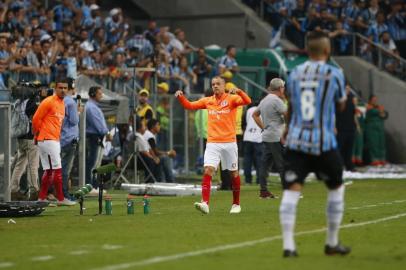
point(244, 98)
point(195, 105)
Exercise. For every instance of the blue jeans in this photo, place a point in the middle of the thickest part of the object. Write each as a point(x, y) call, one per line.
point(93, 157)
point(252, 157)
point(67, 156)
point(166, 170)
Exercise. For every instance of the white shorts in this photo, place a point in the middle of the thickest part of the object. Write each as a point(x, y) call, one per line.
point(50, 154)
point(227, 153)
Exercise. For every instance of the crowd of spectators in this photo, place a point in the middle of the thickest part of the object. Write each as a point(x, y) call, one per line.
point(383, 22)
point(73, 37)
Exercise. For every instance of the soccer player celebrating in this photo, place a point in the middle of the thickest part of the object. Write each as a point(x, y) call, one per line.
point(221, 137)
point(314, 88)
point(46, 125)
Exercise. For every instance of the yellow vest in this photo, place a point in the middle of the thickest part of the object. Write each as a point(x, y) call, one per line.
point(238, 120)
point(141, 111)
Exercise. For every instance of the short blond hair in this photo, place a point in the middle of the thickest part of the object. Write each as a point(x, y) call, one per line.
point(276, 83)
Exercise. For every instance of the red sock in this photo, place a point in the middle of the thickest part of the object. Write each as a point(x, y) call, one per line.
point(206, 188)
point(236, 183)
point(45, 182)
point(57, 176)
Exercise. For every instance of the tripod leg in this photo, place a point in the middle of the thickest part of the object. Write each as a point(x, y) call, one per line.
point(121, 175)
point(81, 205)
point(100, 197)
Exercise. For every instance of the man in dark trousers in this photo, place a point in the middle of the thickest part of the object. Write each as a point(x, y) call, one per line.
point(345, 124)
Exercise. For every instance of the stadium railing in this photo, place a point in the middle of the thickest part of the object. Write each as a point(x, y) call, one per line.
point(379, 56)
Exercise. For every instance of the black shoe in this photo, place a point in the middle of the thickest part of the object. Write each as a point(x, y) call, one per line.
point(337, 250)
point(289, 253)
point(265, 194)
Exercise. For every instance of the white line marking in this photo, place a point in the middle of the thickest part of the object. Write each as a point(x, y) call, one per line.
point(78, 252)
point(160, 259)
point(375, 205)
point(6, 264)
point(111, 247)
point(42, 258)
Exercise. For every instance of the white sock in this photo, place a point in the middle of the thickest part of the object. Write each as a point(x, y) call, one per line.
point(287, 216)
point(334, 211)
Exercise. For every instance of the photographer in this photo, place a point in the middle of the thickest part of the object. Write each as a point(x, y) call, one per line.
point(96, 129)
point(27, 153)
point(69, 135)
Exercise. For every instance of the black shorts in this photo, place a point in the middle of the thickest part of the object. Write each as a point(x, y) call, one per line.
point(328, 167)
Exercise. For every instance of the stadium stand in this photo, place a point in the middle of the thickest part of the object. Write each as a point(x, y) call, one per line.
point(374, 30)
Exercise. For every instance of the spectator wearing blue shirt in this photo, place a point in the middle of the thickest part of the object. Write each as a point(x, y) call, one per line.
point(99, 39)
point(4, 54)
point(3, 78)
point(397, 26)
point(139, 41)
point(69, 136)
point(312, 21)
point(94, 21)
point(151, 32)
point(64, 13)
point(115, 27)
point(164, 69)
point(340, 39)
point(96, 130)
point(351, 12)
point(276, 12)
point(228, 62)
point(293, 30)
point(86, 10)
point(376, 29)
point(184, 76)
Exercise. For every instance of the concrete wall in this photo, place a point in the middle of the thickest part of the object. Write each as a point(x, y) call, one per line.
point(391, 93)
point(208, 22)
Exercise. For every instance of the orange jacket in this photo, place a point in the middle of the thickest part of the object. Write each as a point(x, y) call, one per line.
point(221, 124)
point(47, 120)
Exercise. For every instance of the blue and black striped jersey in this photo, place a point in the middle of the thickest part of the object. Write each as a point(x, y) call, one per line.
point(313, 89)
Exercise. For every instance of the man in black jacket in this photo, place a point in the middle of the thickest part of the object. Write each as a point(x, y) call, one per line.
point(346, 126)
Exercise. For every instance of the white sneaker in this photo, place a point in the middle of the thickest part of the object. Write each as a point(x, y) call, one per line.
point(202, 207)
point(95, 192)
point(235, 209)
point(66, 202)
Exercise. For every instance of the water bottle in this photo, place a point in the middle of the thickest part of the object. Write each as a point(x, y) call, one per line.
point(79, 193)
point(108, 205)
point(146, 202)
point(130, 205)
point(89, 187)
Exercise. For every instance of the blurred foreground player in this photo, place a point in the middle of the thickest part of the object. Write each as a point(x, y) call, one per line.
point(313, 89)
point(221, 140)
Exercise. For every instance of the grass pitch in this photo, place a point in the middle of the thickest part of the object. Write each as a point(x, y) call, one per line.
point(175, 236)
